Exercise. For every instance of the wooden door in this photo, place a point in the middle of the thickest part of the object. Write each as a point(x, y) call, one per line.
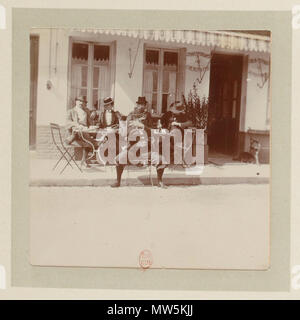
point(34, 51)
point(225, 95)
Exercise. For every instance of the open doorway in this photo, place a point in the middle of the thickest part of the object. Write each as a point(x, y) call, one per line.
point(225, 100)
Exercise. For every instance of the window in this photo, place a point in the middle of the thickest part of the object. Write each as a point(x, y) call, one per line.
point(91, 72)
point(163, 77)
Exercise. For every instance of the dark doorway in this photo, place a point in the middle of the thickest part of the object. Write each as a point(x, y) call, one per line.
point(34, 52)
point(225, 99)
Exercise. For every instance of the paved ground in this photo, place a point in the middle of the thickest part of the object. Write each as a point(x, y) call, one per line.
point(41, 174)
point(198, 226)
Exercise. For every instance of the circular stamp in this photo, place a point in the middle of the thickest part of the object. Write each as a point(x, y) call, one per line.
point(145, 259)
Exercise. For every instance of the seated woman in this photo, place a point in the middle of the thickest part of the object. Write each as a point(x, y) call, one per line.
point(109, 117)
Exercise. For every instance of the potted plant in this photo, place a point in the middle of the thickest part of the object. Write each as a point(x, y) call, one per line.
point(197, 109)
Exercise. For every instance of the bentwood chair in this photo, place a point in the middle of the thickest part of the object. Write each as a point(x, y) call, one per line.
point(67, 152)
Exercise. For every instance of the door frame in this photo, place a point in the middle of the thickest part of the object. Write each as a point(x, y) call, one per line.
point(240, 108)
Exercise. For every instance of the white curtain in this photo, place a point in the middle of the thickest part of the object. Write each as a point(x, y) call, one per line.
point(103, 85)
point(172, 87)
point(76, 80)
point(148, 85)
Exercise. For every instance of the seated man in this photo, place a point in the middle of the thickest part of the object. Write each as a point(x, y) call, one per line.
point(78, 120)
point(140, 118)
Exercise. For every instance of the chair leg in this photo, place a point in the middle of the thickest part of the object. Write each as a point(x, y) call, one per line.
point(63, 169)
point(62, 157)
point(72, 158)
point(67, 164)
point(57, 162)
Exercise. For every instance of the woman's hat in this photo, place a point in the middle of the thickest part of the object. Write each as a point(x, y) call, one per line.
point(108, 101)
point(141, 100)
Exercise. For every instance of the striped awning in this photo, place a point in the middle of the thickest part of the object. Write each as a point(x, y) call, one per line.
point(220, 39)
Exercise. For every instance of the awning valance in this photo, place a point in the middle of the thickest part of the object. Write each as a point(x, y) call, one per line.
point(221, 39)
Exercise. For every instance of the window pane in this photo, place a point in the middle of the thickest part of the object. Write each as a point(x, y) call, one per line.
point(101, 53)
point(84, 75)
point(169, 87)
point(95, 86)
point(170, 58)
point(166, 81)
point(154, 101)
point(78, 80)
point(148, 97)
point(152, 57)
point(83, 92)
point(155, 80)
point(80, 51)
point(150, 81)
point(96, 77)
point(104, 89)
point(172, 81)
point(95, 99)
point(164, 103)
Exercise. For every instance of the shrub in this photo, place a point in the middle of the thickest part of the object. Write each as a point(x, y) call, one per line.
point(197, 108)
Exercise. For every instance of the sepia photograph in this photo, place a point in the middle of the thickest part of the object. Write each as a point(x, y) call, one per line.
point(150, 148)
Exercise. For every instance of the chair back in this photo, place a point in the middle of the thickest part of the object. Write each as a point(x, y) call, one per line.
point(56, 134)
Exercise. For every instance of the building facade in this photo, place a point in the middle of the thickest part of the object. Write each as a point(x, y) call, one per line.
point(231, 68)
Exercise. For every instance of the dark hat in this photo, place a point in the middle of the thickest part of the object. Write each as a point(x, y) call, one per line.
point(108, 101)
point(141, 100)
point(81, 98)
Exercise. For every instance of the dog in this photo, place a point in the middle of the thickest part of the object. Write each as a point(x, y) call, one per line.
point(252, 155)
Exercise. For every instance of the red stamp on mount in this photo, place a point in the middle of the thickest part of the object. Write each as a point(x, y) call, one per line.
point(145, 259)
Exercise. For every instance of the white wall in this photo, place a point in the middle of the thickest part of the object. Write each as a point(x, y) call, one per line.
point(128, 89)
point(52, 104)
point(257, 102)
point(191, 76)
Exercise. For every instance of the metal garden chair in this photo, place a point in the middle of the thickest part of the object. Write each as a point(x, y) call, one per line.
point(64, 149)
